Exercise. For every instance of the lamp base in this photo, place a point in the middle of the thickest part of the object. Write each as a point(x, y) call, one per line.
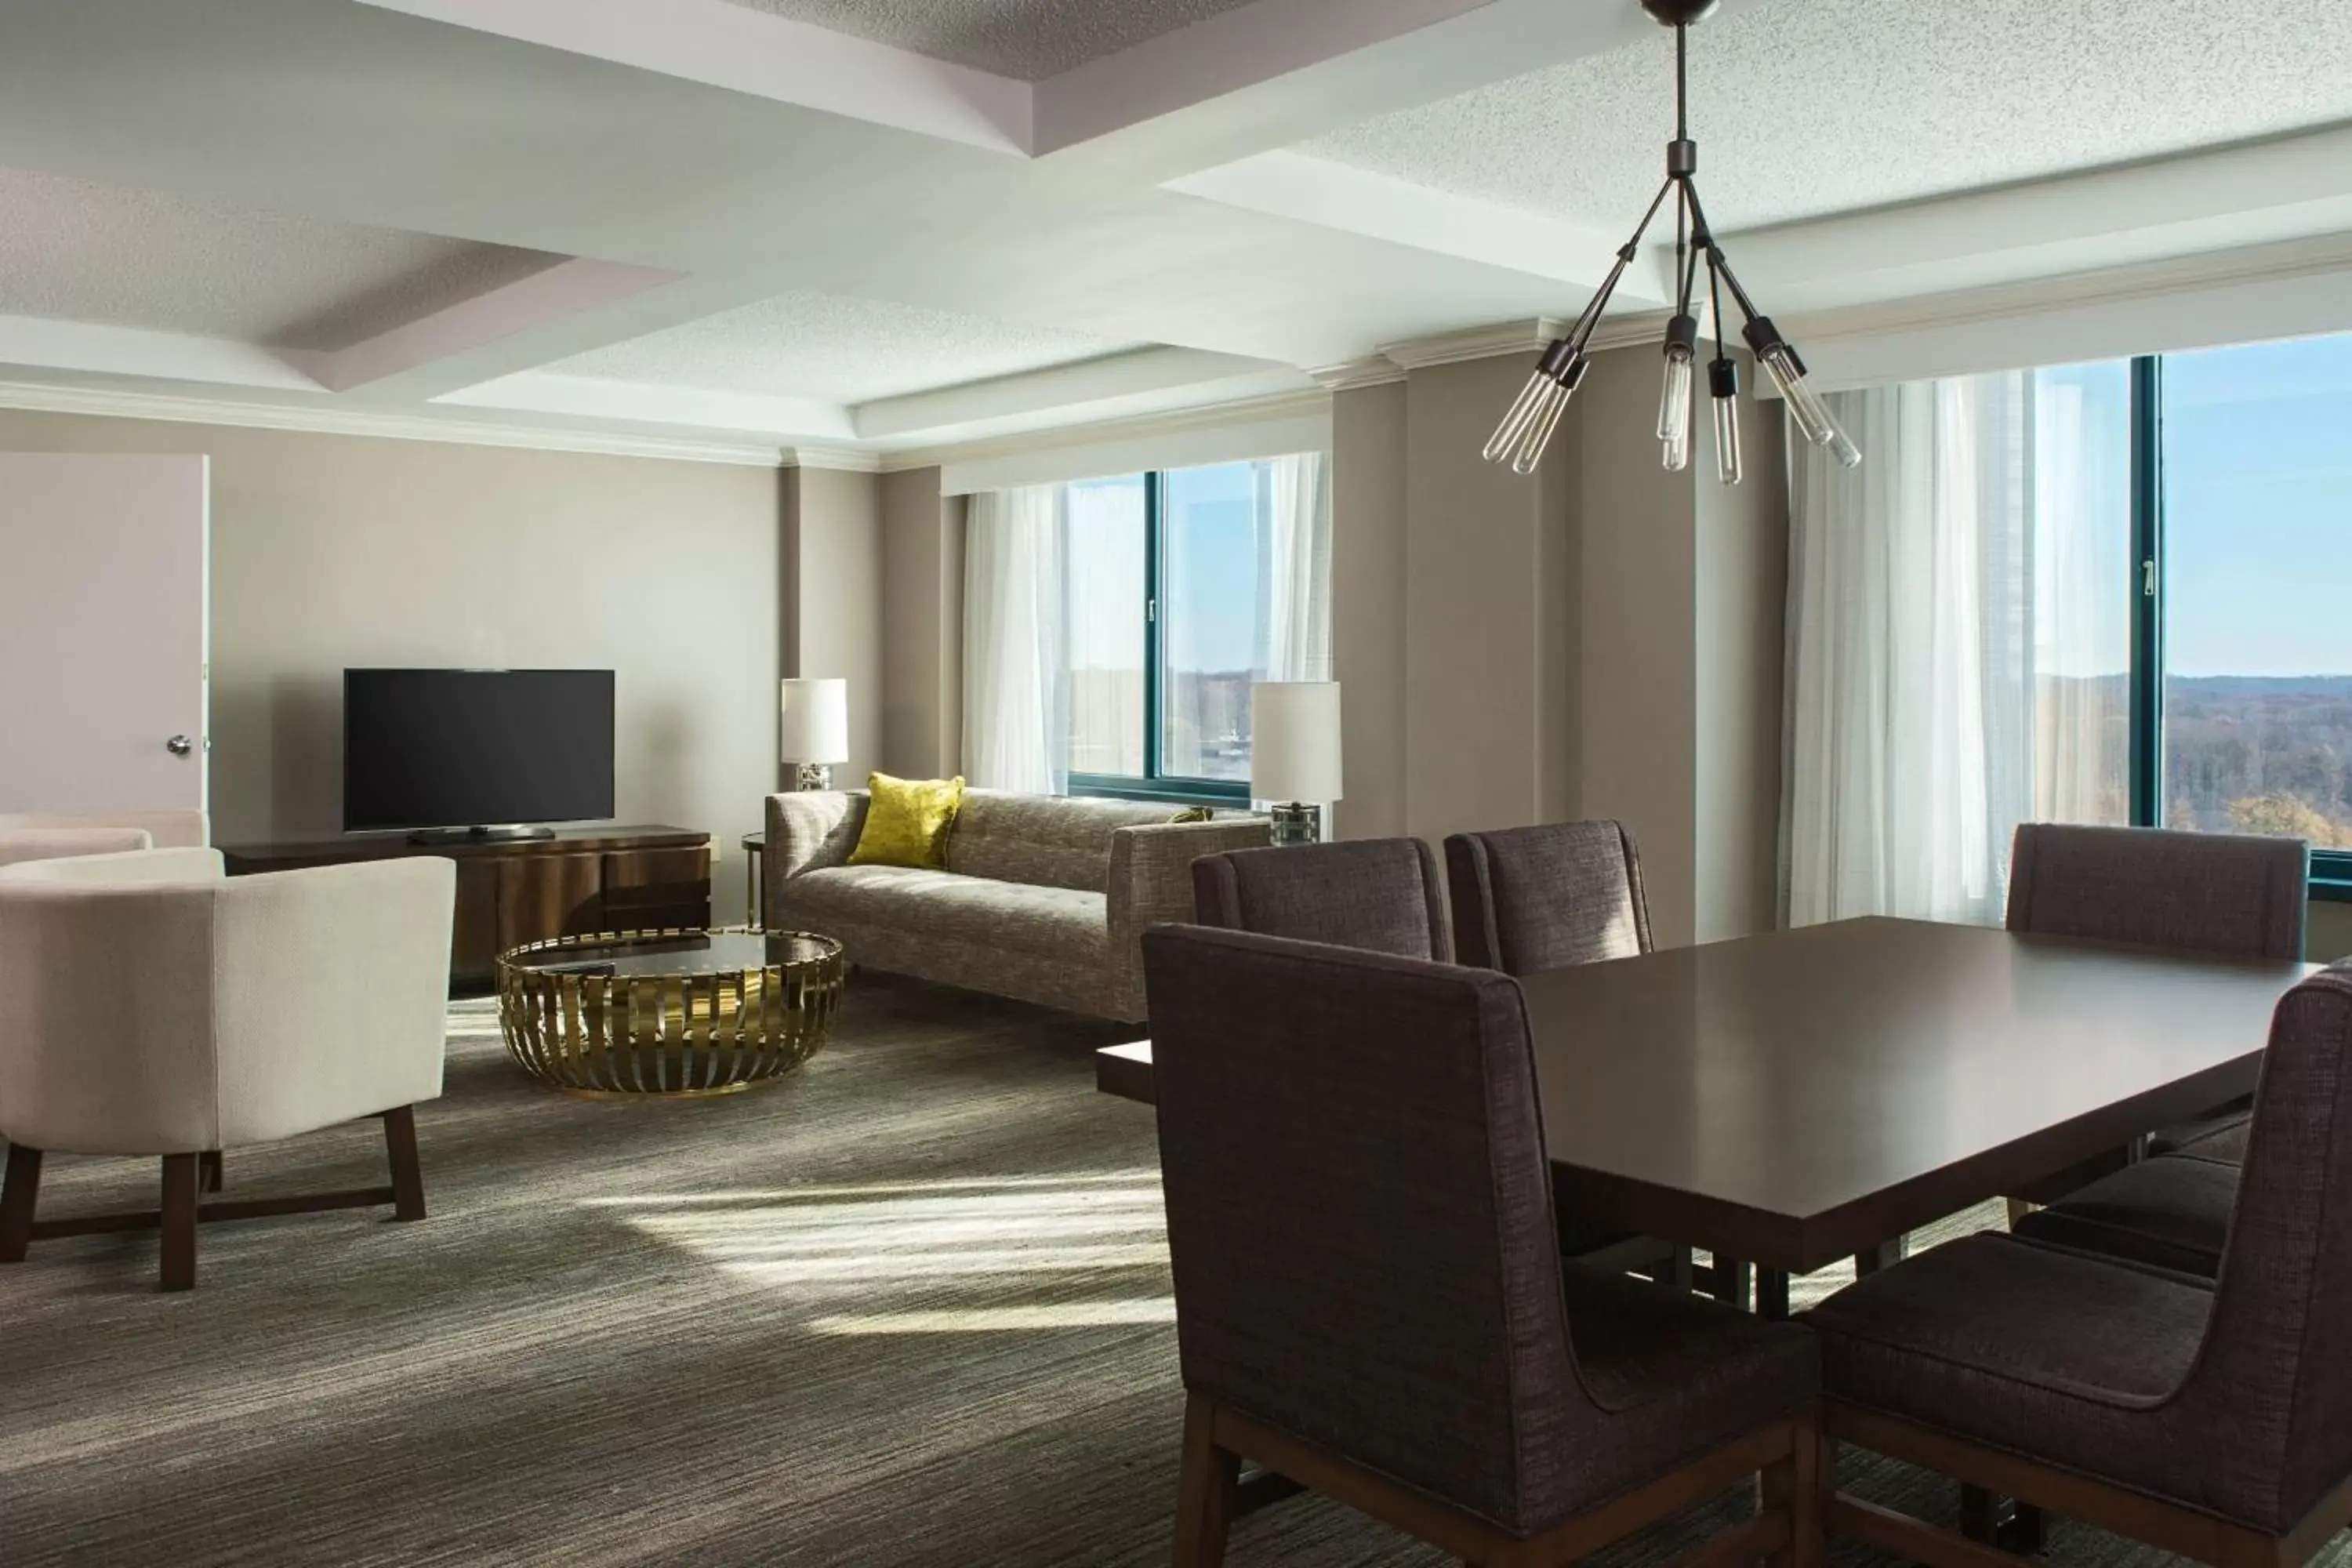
point(1296, 822)
point(812, 775)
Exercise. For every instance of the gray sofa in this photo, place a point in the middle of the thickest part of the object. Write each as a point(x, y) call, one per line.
point(1043, 899)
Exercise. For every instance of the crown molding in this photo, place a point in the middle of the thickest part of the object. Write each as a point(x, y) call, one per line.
point(1526, 336)
point(1373, 370)
point(843, 459)
point(1252, 410)
point(111, 404)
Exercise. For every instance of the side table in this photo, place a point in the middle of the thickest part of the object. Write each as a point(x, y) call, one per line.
point(755, 879)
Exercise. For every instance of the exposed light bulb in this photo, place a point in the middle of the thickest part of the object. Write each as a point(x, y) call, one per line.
point(1675, 395)
point(1723, 385)
point(1521, 415)
point(1527, 428)
point(1675, 452)
point(1538, 435)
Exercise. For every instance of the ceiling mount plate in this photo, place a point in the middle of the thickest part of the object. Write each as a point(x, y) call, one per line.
point(1679, 13)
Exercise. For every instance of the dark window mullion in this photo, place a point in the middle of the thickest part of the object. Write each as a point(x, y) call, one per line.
point(2146, 590)
point(1153, 543)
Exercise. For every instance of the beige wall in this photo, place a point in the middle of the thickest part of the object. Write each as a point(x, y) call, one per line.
point(830, 618)
point(1368, 603)
point(1490, 719)
point(922, 626)
point(1599, 640)
point(335, 551)
point(1740, 624)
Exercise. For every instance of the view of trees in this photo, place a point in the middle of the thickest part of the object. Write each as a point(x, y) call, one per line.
point(2252, 754)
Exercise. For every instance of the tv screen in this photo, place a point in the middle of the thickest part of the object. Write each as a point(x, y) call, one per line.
point(469, 748)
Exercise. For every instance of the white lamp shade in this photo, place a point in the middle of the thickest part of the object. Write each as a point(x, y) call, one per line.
point(815, 722)
point(1294, 741)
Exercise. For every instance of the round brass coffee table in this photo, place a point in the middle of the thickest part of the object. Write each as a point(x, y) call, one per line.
point(678, 1014)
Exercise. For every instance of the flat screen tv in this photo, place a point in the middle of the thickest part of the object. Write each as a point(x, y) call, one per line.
point(476, 751)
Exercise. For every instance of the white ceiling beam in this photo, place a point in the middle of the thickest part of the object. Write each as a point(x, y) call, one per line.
point(416, 356)
point(2253, 193)
point(1146, 380)
point(1378, 206)
point(749, 51)
point(1280, 73)
point(88, 348)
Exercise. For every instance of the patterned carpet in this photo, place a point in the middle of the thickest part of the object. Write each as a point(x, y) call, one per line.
point(911, 1308)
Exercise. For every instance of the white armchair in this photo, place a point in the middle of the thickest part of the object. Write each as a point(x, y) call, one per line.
point(150, 1005)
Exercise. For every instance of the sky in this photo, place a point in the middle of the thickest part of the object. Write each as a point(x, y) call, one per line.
point(2258, 515)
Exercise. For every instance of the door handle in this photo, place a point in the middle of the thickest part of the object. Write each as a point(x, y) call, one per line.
point(179, 745)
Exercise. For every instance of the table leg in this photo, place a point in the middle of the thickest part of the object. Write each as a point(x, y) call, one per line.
point(1975, 1513)
point(1771, 1294)
point(1885, 1255)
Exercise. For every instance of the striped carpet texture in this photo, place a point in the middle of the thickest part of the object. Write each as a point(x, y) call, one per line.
point(911, 1308)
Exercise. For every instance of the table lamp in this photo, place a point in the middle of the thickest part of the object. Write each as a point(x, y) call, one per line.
point(1295, 753)
point(816, 730)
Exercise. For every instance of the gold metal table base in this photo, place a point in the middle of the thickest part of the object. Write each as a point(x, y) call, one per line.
point(685, 1035)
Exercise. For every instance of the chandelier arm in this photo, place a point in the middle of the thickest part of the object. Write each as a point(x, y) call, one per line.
point(1717, 259)
point(1581, 333)
point(1699, 241)
point(1714, 298)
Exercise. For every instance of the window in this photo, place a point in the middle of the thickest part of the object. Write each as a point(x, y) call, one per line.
point(2256, 520)
point(2241, 668)
point(2096, 593)
point(1184, 589)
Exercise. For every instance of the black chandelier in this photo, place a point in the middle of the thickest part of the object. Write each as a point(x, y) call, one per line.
point(1528, 428)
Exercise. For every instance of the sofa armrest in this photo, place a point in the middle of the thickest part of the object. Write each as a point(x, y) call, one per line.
point(1152, 881)
point(809, 830)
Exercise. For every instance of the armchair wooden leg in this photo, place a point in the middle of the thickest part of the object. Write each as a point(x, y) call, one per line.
point(216, 1173)
point(407, 1173)
point(1204, 1493)
point(17, 1199)
point(180, 1180)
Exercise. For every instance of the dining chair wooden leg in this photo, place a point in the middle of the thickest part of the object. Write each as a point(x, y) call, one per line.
point(1730, 1283)
point(1772, 1294)
point(216, 1173)
point(1204, 1490)
point(407, 1173)
point(21, 1191)
point(180, 1180)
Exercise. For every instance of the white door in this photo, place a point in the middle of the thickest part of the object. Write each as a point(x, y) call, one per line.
point(103, 588)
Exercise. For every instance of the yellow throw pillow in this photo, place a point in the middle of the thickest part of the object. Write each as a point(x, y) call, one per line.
point(907, 822)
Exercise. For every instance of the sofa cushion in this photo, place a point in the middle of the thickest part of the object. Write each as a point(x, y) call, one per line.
point(1046, 841)
point(1064, 922)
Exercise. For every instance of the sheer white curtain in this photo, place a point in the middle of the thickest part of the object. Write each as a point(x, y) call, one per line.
point(1294, 579)
point(1952, 671)
point(1015, 667)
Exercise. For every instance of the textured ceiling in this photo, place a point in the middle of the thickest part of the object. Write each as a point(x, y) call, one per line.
point(1030, 40)
point(832, 348)
point(139, 258)
point(1803, 108)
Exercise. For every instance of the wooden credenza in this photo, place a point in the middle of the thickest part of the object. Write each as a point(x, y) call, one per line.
point(512, 891)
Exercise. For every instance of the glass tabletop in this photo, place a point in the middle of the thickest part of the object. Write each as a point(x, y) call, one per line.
point(689, 952)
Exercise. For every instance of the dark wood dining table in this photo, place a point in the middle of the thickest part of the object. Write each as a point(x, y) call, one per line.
point(1800, 1097)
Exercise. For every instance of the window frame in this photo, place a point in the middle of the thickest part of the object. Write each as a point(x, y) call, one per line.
point(1154, 784)
point(2331, 869)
